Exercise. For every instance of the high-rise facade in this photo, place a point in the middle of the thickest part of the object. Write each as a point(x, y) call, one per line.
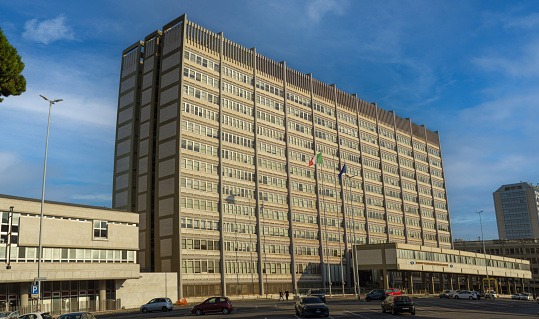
point(517, 211)
point(213, 147)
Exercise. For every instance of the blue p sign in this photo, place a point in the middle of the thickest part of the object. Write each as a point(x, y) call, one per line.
point(35, 289)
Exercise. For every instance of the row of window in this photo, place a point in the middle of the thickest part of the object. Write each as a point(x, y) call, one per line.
point(200, 112)
point(200, 94)
point(199, 166)
point(201, 77)
point(200, 129)
point(195, 58)
point(78, 255)
point(237, 123)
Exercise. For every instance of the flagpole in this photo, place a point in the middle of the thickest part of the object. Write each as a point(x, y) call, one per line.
point(325, 220)
point(338, 219)
point(354, 250)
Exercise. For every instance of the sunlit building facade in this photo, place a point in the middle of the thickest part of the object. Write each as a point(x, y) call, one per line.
point(213, 146)
point(517, 210)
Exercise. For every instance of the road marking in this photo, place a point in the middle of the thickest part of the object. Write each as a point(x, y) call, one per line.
point(355, 314)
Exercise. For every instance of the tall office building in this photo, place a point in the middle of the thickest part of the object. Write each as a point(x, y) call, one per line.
point(213, 146)
point(517, 211)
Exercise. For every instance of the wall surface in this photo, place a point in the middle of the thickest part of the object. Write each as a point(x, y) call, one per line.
point(136, 292)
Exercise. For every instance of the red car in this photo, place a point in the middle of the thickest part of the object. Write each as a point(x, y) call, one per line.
point(393, 292)
point(214, 304)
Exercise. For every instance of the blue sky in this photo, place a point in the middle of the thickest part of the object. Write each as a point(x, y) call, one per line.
point(468, 69)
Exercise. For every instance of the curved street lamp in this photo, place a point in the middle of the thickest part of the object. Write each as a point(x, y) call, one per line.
point(40, 249)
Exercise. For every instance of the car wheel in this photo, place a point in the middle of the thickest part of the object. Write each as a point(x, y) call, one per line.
point(369, 299)
point(198, 312)
point(226, 311)
point(383, 309)
point(144, 310)
point(440, 297)
point(164, 309)
point(470, 298)
point(413, 313)
point(456, 297)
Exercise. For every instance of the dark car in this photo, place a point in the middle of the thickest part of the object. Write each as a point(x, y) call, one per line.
point(311, 306)
point(376, 294)
point(317, 293)
point(214, 304)
point(77, 315)
point(396, 304)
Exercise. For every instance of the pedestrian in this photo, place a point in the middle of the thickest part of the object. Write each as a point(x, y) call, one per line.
point(286, 292)
point(281, 295)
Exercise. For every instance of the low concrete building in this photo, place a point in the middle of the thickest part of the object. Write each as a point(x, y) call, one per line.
point(89, 258)
point(432, 269)
point(527, 249)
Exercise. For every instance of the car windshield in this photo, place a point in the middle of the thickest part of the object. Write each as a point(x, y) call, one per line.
point(402, 299)
point(70, 317)
point(312, 300)
point(316, 292)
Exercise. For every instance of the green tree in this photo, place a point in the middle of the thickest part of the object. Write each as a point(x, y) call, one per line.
point(11, 66)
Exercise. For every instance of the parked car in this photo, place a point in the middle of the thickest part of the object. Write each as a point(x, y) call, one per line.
point(9, 314)
point(317, 293)
point(311, 306)
point(214, 304)
point(393, 292)
point(466, 294)
point(157, 304)
point(537, 299)
point(77, 315)
point(526, 296)
point(447, 293)
point(376, 294)
point(492, 295)
point(516, 296)
point(36, 315)
point(397, 304)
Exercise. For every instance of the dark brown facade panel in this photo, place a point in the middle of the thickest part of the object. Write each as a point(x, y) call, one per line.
point(402, 124)
point(385, 117)
point(346, 100)
point(323, 90)
point(433, 137)
point(237, 54)
point(297, 79)
point(418, 131)
point(269, 67)
point(367, 109)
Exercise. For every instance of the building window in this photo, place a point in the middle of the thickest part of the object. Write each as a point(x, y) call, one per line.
point(100, 229)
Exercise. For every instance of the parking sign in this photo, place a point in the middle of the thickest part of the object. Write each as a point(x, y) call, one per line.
point(34, 291)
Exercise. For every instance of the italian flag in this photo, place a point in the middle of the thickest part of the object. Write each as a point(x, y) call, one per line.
point(316, 159)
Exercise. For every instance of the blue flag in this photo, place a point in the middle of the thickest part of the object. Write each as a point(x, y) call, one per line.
point(343, 170)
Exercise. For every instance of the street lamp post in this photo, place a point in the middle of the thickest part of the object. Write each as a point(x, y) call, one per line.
point(484, 253)
point(40, 249)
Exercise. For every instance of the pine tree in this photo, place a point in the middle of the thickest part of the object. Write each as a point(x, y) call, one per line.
point(11, 81)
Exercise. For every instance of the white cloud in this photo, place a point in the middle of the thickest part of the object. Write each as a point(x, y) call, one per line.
point(526, 22)
point(317, 9)
point(518, 62)
point(48, 31)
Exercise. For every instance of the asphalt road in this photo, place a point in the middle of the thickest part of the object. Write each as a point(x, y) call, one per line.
point(350, 308)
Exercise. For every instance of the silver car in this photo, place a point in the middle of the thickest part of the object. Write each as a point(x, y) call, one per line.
point(157, 304)
point(526, 296)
